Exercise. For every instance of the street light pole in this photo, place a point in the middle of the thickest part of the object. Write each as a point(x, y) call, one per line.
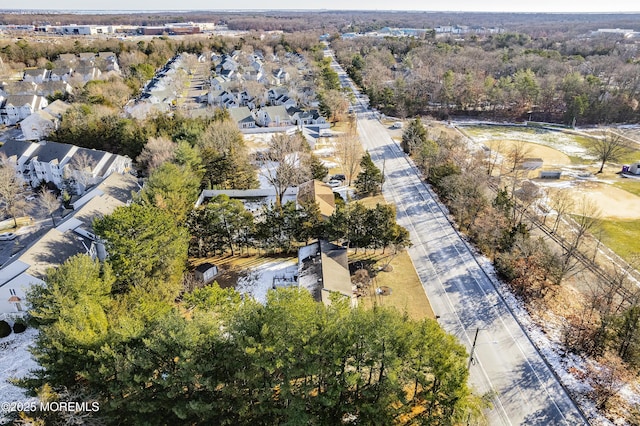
point(473, 347)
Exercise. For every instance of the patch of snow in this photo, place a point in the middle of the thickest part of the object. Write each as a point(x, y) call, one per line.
point(567, 366)
point(260, 279)
point(561, 141)
point(16, 362)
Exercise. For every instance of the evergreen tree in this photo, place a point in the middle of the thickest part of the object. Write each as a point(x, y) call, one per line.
point(413, 136)
point(369, 181)
point(172, 188)
point(146, 248)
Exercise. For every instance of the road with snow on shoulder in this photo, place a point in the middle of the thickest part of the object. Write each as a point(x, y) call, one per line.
point(505, 362)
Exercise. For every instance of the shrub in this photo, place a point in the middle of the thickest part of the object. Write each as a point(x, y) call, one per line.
point(5, 329)
point(19, 327)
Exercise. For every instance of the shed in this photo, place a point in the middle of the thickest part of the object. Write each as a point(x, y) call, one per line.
point(206, 272)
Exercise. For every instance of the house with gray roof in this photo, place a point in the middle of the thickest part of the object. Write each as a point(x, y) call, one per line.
point(37, 75)
point(40, 124)
point(19, 107)
point(243, 117)
point(323, 269)
point(273, 116)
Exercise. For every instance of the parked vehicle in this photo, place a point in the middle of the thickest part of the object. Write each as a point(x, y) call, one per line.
point(334, 183)
point(7, 236)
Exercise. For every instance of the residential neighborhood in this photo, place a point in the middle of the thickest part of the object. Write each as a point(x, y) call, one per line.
point(319, 217)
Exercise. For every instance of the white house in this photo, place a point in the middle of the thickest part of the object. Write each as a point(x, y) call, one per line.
point(273, 116)
point(14, 284)
point(38, 125)
point(242, 117)
point(19, 107)
point(61, 73)
point(37, 75)
point(19, 153)
point(41, 123)
point(57, 162)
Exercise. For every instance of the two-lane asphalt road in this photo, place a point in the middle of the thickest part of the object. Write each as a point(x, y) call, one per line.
point(505, 361)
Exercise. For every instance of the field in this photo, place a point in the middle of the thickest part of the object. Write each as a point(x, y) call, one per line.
point(617, 198)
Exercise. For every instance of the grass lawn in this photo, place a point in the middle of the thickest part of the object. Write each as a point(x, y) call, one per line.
point(629, 185)
point(407, 293)
point(622, 237)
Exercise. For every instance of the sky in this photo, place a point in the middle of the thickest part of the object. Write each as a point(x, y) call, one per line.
point(575, 6)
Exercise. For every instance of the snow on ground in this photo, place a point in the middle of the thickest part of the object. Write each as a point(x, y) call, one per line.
point(563, 142)
point(15, 362)
point(565, 365)
point(260, 279)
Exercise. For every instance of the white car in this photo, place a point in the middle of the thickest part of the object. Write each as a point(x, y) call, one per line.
point(7, 236)
point(334, 183)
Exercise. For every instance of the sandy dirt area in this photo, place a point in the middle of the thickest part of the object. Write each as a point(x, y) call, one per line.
point(614, 203)
point(552, 157)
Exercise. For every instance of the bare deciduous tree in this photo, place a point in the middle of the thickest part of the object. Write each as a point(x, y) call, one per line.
point(518, 152)
point(348, 152)
point(586, 219)
point(284, 163)
point(81, 170)
point(50, 203)
point(561, 202)
point(610, 147)
point(10, 188)
point(155, 152)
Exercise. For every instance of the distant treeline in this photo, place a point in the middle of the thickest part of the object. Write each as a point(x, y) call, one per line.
point(535, 24)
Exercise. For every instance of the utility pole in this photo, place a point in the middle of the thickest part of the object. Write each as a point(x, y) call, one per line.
point(473, 347)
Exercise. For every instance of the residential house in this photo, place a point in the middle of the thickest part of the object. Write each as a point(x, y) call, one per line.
point(18, 107)
point(60, 163)
point(107, 61)
point(20, 88)
point(315, 191)
point(87, 72)
point(14, 285)
point(38, 125)
point(61, 73)
point(284, 100)
point(242, 117)
point(72, 236)
point(52, 88)
point(323, 269)
point(280, 76)
point(219, 83)
point(276, 92)
point(222, 98)
point(19, 153)
point(306, 118)
point(37, 75)
point(68, 59)
point(273, 116)
point(87, 57)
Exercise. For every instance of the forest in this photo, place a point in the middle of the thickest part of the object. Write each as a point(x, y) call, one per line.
point(593, 79)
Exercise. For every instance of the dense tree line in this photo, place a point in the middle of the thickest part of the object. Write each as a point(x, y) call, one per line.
point(223, 225)
point(217, 358)
point(503, 76)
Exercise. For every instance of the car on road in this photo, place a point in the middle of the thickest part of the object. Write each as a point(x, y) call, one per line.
point(7, 236)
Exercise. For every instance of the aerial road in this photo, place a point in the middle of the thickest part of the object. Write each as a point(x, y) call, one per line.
point(505, 362)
